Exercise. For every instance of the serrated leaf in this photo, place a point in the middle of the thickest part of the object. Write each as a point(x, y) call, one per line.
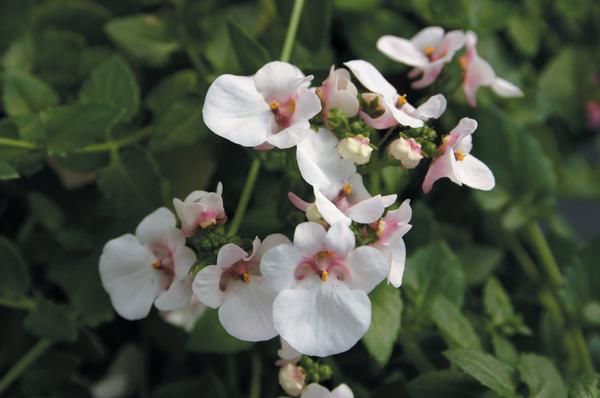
point(497, 302)
point(488, 370)
point(585, 386)
point(541, 377)
point(171, 89)
point(251, 55)
point(7, 172)
point(454, 326)
point(209, 336)
point(143, 36)
point(51, 321)
point(113, 83)
point(131, 184)
point(181, 125)
point(14, 276)
point(505, 350)
point(433, 270)
point(23, 94)
point(386, 314)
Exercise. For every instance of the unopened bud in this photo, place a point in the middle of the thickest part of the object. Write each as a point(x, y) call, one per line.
point(356, 149)
point(291, 379)
point(372, 104)
point(312, 213)
point(407, 151)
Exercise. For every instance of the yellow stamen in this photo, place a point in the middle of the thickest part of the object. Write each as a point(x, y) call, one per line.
point(292, 105)
point(274, 105)
point(429, 50)
point(459, 156)
point(347, 189)
point(324, 276)
point(401, 100)
point(380, 228)
point(246, 277)
point(462, 61)
point(156, 264)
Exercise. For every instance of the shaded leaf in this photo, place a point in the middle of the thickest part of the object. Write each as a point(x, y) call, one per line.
point(251, 55)
point(541, 377)
point(14, 276)
point(182, 124)
point(23, 93)
point(453, 325)
point(7, 172)
point(51, 321)
point(209, 336)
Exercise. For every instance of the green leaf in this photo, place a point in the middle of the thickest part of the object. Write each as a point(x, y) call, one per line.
point(46, 212)
point(71, 127)
point(23, 93)
point(478, 262)
point(14, 277)
point(251, 55)
point(505, 350)
point(171, 89)
point(497, 302)
point(449, 383)
point(113, 83)
point(525, 33)
point(209, 336)
point(7, 172)
point(585, 386)
point(51, 321)
point(181, 125)
point(143, 36)
point(488, 370)
point(386, 314)
point(131, 183)
point(15, 19)
point(453, 325)
point(315, 23)
point(582, 286)
point(433, 270)
point(541, 377)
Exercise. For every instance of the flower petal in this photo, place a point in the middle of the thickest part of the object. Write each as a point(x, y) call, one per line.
point(277, 79)
point(474, 173)
point(309, 237)
point(278, 266)
point(430, 74)
point(230, 254)
point(345, 101)
point(340, 239)
point(504, 88)
point(342, 391)
point(397, 263)
point(233, 109)
point(368, 210)
point(128, 277)
point(247, 312)
point(432, 108)
point(402, 117)
point(329, 211)
point(157, 227)
point(322, 318)
point(270, 242)
point(371, 78)
point(315, 390)
point(184, 258)
point(290, 136)
point(177, 296)
point(401, 50)
point(308, 104)
point(368, 267)
point(206, 286)
point(431, 36)
point(440, 168)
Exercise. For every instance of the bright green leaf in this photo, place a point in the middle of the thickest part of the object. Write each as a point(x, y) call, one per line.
point(23, 93)
point(453, 325)
point(541, 377)
point(209, 336)
point(14, 277)
point(386, 314)
point(251, 55)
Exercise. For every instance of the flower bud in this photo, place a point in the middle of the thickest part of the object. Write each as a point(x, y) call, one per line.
point(312, 213)
point(339, 92)
point(291, 379)
point(356, 149)
point(372, 104)
point(407, 151)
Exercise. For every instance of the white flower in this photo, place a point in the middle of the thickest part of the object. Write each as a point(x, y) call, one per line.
point(200, 209)
point(317, 391)
point(397, 108)
point(185, 318)
point(291, 379)
point(407, 151)
point(478, 73)
point(322, 307)
point(235, 286)
point(339, 92)
point(357, 149)
point(457, 163)
point(427, 51)
point(151, 266)
point(273, 106)
point(287, 354)
point(390, 231)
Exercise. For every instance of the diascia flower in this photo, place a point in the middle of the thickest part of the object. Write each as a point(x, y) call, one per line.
point(407, 151)
point(397, 109)
point(315, 390)
point(200, 209)
point(273, 107)
point(149, 267)
point(478, 73)
point(322, 307)
point(390, 231)
point(236, 287)
point(456, 162)
point(356, 149)
point(427, 52)
point(338, 91)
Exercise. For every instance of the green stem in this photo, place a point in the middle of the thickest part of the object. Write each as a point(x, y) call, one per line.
point(256, 373)
point(19, 304)
point(547, 259)
point(240, 211)
point(22, 364)
point(110, 146)
point(290, 37)
point(17, 143)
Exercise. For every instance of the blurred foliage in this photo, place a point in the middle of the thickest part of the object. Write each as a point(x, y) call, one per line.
point(101, 123)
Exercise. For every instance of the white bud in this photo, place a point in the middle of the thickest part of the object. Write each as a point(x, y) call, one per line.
point(407, 151)
point(356, 149)
point(312, 213)
point(291, 379)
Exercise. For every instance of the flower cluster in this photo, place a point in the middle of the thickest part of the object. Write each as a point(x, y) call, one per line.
point(312, 291)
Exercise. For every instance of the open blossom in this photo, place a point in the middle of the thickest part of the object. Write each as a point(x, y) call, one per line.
point(322, 307)
point(339, 92)
point(397, 109)
point(273, 107)
point(407, 151)
point(356, 149)
point(149, 267)
point(478, 73)
point(291, 379)
point(315, 390)
point(427, 52)
point(200, 209)
point(456, 162)
point(390, 231)
point(186, 317)
point(236, 287)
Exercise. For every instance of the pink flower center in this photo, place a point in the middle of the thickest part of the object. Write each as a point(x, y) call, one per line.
point(323, 264)
point(283, 111)
point(164, 261)
point(241, 271)
point(208, 218)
